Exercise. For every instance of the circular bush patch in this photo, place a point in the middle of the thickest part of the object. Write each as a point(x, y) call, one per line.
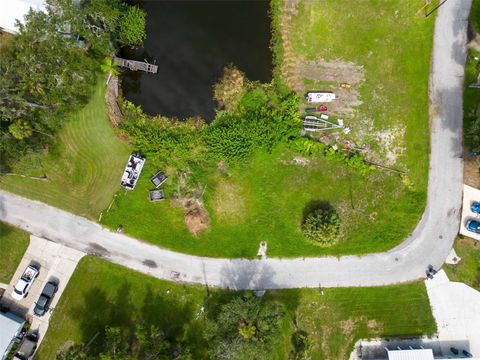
point(322, 227)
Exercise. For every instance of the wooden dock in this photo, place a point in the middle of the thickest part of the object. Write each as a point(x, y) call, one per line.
point(136, 65)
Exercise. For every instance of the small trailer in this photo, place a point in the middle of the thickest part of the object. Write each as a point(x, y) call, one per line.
point(320, 96)
point(158, 179)
point(132, 171)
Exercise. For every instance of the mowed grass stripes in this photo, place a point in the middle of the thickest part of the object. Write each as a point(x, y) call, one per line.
point(83, 168)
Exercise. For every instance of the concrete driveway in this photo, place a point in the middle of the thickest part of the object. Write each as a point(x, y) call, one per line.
point(57, 262)
point(456, 308)
point(470, 194)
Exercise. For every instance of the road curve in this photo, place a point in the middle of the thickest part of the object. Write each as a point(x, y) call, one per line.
point(429, 243)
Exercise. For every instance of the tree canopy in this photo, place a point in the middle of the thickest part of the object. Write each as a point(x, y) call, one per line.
point(50, 67)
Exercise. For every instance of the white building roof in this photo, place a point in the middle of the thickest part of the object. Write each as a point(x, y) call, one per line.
point(10, 325)
point(17, 9)
point(416, 354)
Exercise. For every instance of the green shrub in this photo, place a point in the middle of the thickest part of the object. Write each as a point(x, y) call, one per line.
point(322, 227)
point(261, 121)
point(163, 139)
point(132, 27)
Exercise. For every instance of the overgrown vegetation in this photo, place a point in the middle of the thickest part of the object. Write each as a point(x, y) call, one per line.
point(322, 226)
point(291, 324)
point(132, 27)
point(49, 69)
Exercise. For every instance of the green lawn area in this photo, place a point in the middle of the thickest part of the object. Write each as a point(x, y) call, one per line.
point(13, 243)
point(471, 99)
point(268, 204)
point(100, 294)
point(83, 167)
point(468, 270)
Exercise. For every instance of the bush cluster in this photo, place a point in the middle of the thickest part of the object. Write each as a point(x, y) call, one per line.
point(322, 227)
point(308, 147)
point(260, 121)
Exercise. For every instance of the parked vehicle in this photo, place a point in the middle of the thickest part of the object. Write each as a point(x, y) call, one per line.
point(473, 226)
point(43, 302)
point(320, 96)
point(27, 347)
point(20, 290)
point(475, 207)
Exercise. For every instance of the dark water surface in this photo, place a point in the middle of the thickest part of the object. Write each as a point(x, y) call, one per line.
point(192, 41)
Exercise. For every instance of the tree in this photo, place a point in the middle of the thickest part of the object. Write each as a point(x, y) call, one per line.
point(109, 66)
point(132, 27)
point(245, 328)
point(322, 226)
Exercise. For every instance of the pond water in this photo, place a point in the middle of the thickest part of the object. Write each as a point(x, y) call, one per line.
point(191, 42)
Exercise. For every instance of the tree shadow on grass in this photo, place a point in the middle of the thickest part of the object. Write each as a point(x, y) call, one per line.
point(314, 205)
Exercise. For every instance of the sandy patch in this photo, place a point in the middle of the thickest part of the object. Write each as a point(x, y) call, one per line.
point(229, 202)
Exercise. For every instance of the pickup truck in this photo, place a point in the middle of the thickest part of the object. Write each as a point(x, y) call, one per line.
point(43, 302)
point(20, 290)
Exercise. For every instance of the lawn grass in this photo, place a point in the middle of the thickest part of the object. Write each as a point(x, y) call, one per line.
point(269, 204)
point(468, 270)
point(13, 243)
point(101, 293)
point(83, 167)
point(471, 99)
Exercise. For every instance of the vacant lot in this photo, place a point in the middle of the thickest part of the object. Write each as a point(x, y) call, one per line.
point(13, 243)
point(100, 294)
point(265, 199)
point(82, 169)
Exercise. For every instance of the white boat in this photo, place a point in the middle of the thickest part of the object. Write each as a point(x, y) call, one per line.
point(132, 171)
point(320, 96)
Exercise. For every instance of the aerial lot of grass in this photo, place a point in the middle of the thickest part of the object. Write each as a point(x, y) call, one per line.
point(83, 168)
point(13, 243)
point(100, 294)
point(265, 199)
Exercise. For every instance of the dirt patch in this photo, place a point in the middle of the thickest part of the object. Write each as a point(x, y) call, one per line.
point(391, 140)
point(64, 348)
point(196, 219)
point(373, 325)
point(298, 160)
point(228, 202)
point(113, 110)
point(190, 198)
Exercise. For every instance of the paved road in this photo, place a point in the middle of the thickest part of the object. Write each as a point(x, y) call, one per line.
point(429, 243)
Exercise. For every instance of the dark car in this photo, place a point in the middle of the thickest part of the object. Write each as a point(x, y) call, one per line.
point(41, 306)
point(27, 347)
point(473, 226)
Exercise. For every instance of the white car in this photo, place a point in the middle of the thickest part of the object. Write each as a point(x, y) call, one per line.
point(25, 283)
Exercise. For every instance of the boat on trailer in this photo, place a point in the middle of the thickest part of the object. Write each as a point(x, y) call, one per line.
point(132, 171)
point(320, 96)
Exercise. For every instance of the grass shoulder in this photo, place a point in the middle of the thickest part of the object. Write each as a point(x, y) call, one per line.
point(468, 270)
point(13, 244)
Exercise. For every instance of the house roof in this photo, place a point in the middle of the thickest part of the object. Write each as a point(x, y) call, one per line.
point(10, 325)
point(17, 9)
point(415, 354)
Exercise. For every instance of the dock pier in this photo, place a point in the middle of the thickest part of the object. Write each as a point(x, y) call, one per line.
point(135, 65)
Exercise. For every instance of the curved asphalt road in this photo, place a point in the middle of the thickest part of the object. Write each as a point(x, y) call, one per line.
point(429, 243)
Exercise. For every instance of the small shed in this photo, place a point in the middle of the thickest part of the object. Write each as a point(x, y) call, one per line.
point(156, 195)
point(10, 328)
point(158, 179)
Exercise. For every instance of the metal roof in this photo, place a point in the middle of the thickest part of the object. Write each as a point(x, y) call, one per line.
point(10, 325)
point(416, 354)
